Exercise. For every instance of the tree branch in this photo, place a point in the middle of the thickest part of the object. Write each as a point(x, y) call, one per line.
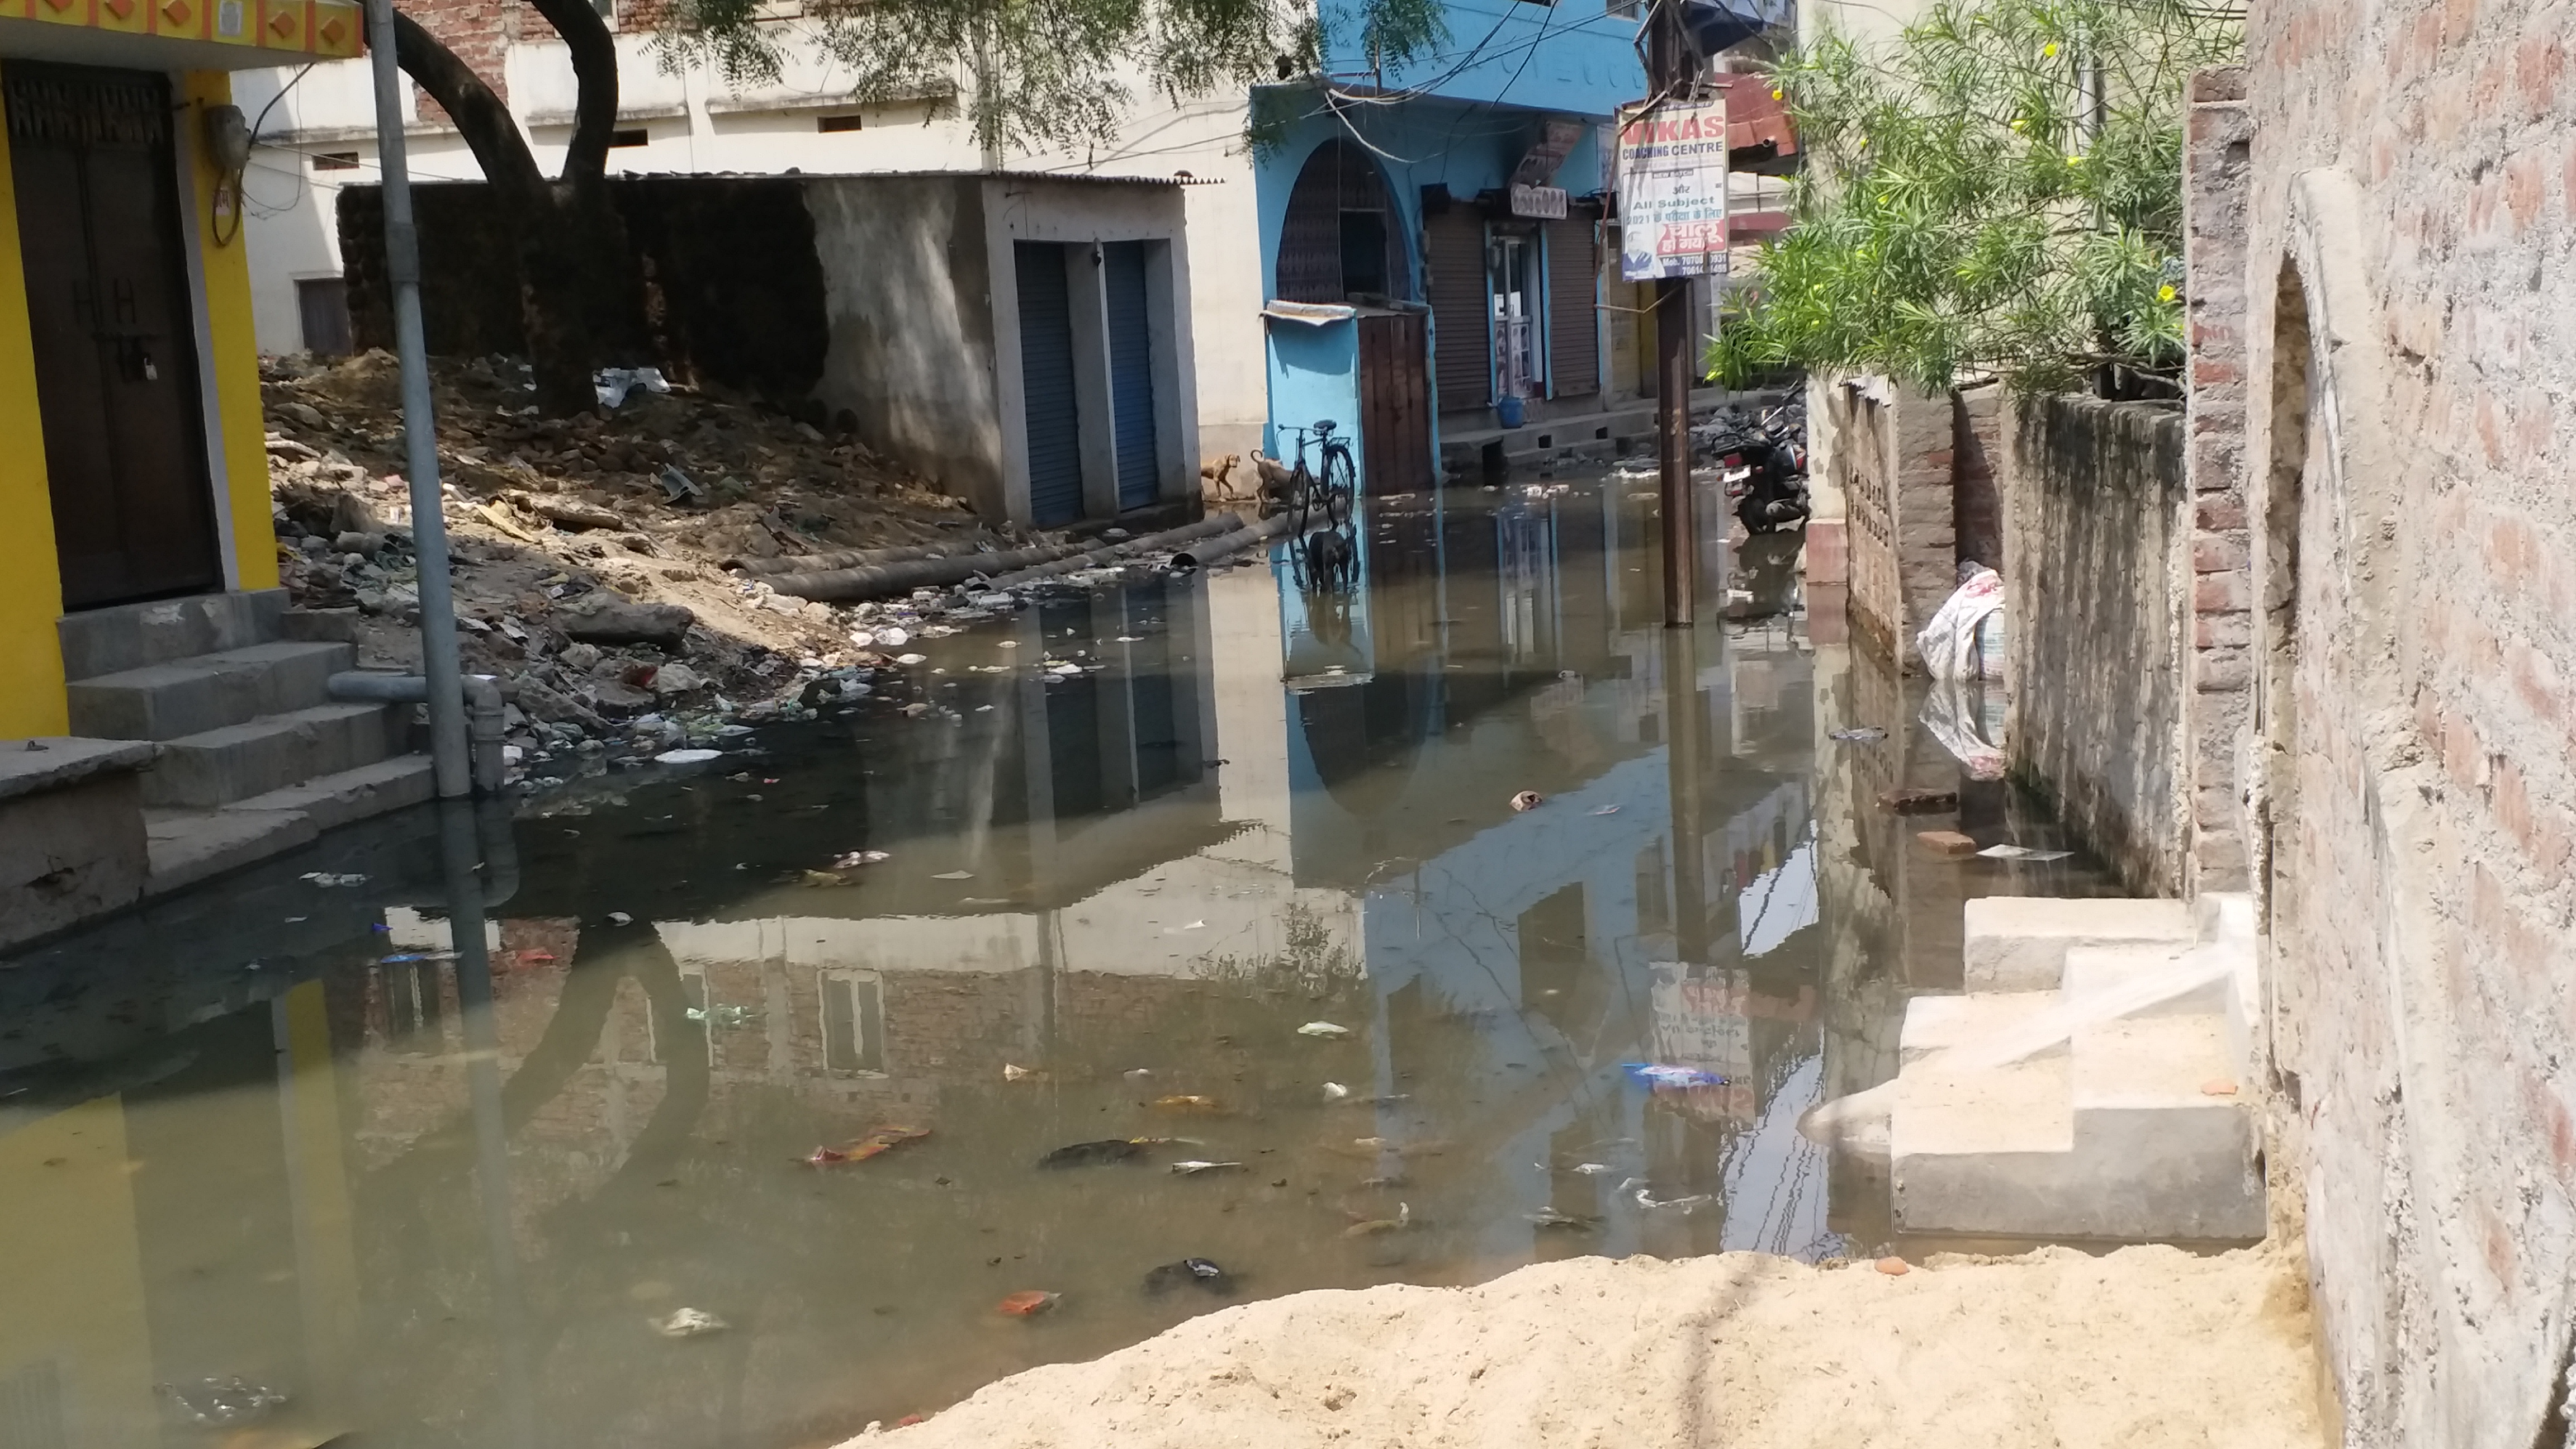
point(594, 68)
point(478, 113)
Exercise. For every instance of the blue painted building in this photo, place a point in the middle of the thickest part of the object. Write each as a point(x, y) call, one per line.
point(1441, 232)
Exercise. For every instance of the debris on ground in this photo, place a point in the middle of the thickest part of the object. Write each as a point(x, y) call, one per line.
point(1860, 735)
point(1549, 1219)
point(1528, 800)
point(689, 1323)
point(1192, 1272)
point(1028, 1304)
point(1196, 1166)
point(1187, 1102)
point(591, 553)
point(1323, 1028)
point(1946, 842)
point(2143, 1348)
point(1336, 1092)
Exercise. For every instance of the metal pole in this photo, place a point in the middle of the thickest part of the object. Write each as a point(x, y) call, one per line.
point(438, 662)
point(1667, 70)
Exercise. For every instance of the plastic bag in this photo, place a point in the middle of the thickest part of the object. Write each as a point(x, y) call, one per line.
point(1950, 643)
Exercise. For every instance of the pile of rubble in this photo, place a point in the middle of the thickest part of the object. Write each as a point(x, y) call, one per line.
point(589, 552)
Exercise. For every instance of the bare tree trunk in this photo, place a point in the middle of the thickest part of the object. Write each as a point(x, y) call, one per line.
point(567, 230)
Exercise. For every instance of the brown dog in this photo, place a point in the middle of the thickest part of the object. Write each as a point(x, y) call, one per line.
point(1216, 479)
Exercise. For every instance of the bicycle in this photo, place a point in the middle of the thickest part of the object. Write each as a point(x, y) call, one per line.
point(1334, 491)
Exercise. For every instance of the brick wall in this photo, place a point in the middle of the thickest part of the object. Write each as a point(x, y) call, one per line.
point(2411, 241)
point(1890, 452)
point(2095, 517)
point(2216, 573)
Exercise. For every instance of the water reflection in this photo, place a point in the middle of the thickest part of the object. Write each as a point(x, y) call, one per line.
point(450, 1186)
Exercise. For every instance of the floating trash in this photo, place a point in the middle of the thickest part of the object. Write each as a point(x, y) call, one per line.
point(1683, 1205)
point(1592, 1169)
point(1551, 1219)
point(1028, 1304)
point(853, 859)
point(1189, 1272)
point(620, 918)
point(1528, 800)
point(1108, 1149)
point(1860, 735)
point(219, 1403)
point(687, 757)
point(327, 878)
point(1194, 1167)
point(882, 1140)
point(954, 875)
point(1190, 1102)
point(1324, 1029)
point(1336, 1092)
point(1018, 1074)
point(689, 1323)
point(1374, 1226)
point(2022, 852)
point(1656, 1074)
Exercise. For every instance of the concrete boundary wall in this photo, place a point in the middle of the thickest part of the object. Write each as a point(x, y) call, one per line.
point(1914, 475)
point(2095, 517)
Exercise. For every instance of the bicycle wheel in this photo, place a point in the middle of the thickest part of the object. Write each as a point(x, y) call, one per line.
point(1301, 493)
point(1341, 487)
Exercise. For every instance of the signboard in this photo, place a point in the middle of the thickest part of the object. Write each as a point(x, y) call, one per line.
point(1547, 203)
point(1672, 191)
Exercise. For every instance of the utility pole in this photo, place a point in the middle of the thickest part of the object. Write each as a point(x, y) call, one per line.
point(448, 748)
point(1668, 75)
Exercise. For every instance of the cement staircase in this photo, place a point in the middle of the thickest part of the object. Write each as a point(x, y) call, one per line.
point(2133, 1125)
point(254, 756)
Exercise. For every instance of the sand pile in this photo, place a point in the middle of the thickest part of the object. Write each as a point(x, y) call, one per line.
point(2147, 1348)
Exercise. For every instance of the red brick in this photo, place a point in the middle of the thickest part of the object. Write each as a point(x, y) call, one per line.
point(2215, 512)
point(2213, 553)
point(2221, 592)
point(2526, 186)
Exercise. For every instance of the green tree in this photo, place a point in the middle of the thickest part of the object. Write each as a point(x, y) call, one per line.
point(1046, 73)
point(1999, 191)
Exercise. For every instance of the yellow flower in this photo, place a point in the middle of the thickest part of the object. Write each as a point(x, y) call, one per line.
point(2073, 160)
point(2165, 293)
point(2049, 50)
point(2019, 124)
point(1775, 93)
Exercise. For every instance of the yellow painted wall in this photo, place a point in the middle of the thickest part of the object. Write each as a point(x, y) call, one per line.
point(31, 587)
point(236, 348)
point(72, 1273)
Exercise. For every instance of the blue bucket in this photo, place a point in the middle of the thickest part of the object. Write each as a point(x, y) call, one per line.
point(1510, 410)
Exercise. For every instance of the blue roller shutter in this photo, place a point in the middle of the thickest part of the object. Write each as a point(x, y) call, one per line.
point(1131, 374)
point(1053, 415)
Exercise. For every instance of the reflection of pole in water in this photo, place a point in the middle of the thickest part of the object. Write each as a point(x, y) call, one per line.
point(459, 857)
point(1683, 748)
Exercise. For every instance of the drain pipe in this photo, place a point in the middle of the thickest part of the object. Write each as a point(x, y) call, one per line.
point(438, 654)
point(483, 713)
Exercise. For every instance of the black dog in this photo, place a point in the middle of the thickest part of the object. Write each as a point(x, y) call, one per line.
point(1331, 562)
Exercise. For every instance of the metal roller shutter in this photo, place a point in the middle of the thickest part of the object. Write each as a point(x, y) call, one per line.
point(1573, 337)
point(1454, 245)
point(1131, 374)
point(1049, 406)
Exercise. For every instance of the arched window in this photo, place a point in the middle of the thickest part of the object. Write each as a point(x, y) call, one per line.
point(1342, 236)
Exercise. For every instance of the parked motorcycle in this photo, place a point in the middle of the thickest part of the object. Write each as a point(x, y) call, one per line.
point(1765, 465)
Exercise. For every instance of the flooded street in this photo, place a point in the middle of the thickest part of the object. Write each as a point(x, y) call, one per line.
point(1198, 869)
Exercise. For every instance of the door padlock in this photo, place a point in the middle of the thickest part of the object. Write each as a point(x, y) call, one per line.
point(151, 369)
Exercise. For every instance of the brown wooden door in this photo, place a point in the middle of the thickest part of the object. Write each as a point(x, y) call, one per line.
point(1395, 404)
point(114, 332)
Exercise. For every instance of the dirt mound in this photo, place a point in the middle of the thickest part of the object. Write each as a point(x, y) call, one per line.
point(2147, 1348)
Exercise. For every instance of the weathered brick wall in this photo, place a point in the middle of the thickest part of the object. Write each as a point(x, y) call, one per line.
point(2094, 518)
point(1890, 454)
point(2217, 574)
point(2411, 240)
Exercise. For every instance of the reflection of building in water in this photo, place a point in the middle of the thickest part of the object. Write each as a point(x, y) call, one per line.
point(1518, 960)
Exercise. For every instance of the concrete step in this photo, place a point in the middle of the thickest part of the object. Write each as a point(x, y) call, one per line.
point(1937, 1023)
point(129, 636)
point(2095, 972)
point(188, 846)
point(2164, 1130)
point(207, 692)
point(2019, 943)
point(236, 762)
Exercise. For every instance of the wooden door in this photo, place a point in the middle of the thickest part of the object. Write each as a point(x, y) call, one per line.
point(115, 333)
point(1395, 404)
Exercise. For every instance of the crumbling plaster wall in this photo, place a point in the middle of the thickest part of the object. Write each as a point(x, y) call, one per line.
point(2411, 787)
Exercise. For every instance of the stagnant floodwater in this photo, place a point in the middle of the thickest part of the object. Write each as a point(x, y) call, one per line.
point(268, 1130)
